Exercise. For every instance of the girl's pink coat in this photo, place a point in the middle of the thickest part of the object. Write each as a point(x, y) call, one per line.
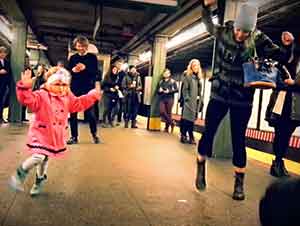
point(49, 129)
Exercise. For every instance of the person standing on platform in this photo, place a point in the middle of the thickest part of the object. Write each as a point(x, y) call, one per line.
point(236, 44)
point(84, 71)
point(40, 77)
point(167, 87)
point(5, 78)
point(286, 121)
point(111, 88)
point(132, 88)
point(48, 132)
point(121, 75)
point(191, 89)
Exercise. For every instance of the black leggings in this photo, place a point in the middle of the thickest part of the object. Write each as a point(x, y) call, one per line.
point(239, 117)
point(187, 126)
point(283, 133)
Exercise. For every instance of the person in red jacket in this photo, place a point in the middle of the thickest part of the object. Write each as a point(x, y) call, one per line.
point(47, 134)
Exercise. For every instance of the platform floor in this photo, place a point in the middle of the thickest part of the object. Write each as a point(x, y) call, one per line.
point(136, 178)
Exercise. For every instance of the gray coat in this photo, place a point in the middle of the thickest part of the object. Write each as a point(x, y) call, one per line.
point(191, 89)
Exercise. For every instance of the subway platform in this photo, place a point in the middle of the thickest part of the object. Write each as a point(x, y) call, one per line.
point(135, 178)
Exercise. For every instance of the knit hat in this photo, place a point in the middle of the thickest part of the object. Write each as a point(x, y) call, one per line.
point(247, 17)
point(61, 75)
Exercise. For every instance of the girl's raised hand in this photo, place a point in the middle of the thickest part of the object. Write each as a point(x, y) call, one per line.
point(26, 77)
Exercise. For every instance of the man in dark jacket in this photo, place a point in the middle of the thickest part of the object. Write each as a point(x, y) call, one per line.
point(236, 44)
point(84, 71)
point(286, 121)
point(132, 88)
point(5, 77)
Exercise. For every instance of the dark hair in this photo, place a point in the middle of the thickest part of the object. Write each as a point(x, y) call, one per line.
point(131, 66)
point(81, 39)
point(280, 204)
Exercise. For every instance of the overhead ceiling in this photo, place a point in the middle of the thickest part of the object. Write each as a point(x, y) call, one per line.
point(57, 22)
point(274, 18)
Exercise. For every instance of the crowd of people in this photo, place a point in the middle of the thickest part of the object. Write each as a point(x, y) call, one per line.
point(52, 94)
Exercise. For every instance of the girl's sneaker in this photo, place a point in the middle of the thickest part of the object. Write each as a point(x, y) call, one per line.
point(38, 185)
point(16, 181)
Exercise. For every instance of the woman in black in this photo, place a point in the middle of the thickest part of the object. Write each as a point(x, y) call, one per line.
point(40, 77)
point(110, 86)
point(288, 120)
point(236, 44)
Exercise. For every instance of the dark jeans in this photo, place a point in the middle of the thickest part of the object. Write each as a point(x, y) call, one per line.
point(187, 126)
point(165, 108)
point(3, 95)
point(283, 133)
point(89, 114)
point(110, 104)
point(121, 109)
point(239, 117)
point(131, 108)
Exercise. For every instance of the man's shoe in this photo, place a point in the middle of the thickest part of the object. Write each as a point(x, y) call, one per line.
point(96, 139)
point(72, 140)
point(126, 124)
point(133, 124)
point(3, 121)
point(183, 139)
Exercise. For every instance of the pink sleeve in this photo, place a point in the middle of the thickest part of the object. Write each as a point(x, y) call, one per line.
point(28, 98)
point(83, 102)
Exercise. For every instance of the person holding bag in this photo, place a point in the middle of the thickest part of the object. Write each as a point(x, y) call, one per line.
point(283, 113)
point(236, 44)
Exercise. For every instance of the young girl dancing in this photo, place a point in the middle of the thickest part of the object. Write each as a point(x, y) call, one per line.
point(48, 131)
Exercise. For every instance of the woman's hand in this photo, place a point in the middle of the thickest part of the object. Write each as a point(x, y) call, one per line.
point(287, 38)
point(3, 72)
point(26, 77)
point(289, 82)
point(209, 2)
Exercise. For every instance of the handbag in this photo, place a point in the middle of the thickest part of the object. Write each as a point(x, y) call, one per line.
point(260, 73)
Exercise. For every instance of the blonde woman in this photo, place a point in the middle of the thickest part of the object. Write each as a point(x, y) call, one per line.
point(191, 100)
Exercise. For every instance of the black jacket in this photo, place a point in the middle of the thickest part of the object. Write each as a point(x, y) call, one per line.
point(84, 81)
point(110, 81)
point(228, 76)
point(291, 106)
point(6, 78)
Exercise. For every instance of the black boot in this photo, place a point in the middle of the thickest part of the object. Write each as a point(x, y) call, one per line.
point(200, 177)
point(192, 141)
point(278, 169)
point(126, 124)
point(72, 140)
point(96, 139)
point(133, 124)
point(238, 193)
point(183, 139)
